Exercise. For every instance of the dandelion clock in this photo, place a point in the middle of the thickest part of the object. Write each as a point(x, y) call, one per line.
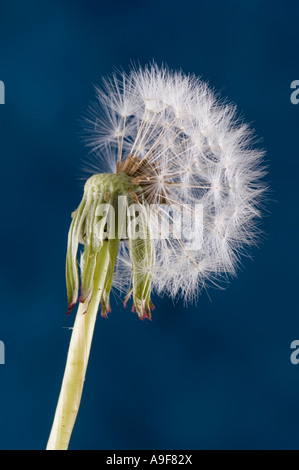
point(171, 204)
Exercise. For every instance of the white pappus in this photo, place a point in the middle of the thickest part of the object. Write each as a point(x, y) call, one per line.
point(189, 151)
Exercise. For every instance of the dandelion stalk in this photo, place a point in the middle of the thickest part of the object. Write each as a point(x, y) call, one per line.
point(77, 360)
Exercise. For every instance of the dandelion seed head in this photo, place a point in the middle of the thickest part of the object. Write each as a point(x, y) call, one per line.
point(183, 146)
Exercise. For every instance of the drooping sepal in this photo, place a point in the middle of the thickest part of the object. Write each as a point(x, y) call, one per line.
point(75, 234)
point(93, 243)
point(112, 246)
point(87, 273)
point(142, 254)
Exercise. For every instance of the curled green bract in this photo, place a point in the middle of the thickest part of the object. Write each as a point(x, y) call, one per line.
point(112, 211)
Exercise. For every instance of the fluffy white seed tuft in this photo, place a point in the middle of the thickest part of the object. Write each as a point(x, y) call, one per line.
point(199, 153)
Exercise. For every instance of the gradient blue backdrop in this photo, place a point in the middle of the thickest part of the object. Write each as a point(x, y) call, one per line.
point(213, 376)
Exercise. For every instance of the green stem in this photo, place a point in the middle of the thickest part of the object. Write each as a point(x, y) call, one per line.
point(77, 360)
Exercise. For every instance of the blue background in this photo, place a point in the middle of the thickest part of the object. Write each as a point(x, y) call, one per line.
point(213, 376)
